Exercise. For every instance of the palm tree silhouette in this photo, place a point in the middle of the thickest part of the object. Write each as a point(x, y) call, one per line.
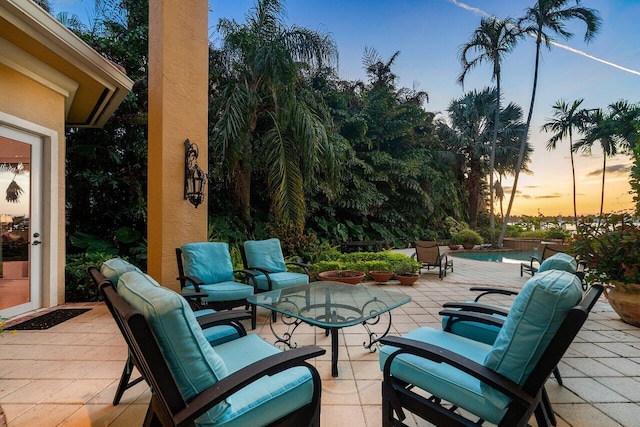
point(544, 19)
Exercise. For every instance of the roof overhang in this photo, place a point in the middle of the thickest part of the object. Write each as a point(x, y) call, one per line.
point(35, 44)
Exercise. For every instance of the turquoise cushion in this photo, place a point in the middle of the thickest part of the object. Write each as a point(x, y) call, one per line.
point(208, 261)
point(535, 316)
point(267, 399)
point(559, 261)
point(216, 335)
point(440, 379)
point(223, 291)
point(266, 254)
point(281, 280)
point(194, 364)
point(113, 268)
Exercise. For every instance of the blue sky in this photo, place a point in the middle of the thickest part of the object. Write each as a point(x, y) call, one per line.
point(428, 34)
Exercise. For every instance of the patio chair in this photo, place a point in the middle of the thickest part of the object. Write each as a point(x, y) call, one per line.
point(549, 249)
point(485, 330)
point(265, 259)
point(218, 328)
point(246, 381)
point(206, 267)
point(503, 383)
point(429, 256)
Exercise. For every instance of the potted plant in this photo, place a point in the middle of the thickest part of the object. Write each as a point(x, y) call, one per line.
point(381, 276)
point(351, 277)
point(406, 271)
point(611, 252)
point(467, 238)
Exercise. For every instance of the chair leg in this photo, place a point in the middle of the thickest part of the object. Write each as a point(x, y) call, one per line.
point(556, 374)
point(273, 316)
point(124, 383)
point(548, 409)
point(387, 413)
point(253, 317)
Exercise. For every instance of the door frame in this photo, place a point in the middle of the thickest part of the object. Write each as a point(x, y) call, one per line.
point(50, 199)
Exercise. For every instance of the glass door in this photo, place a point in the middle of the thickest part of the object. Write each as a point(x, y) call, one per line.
point(20, 222)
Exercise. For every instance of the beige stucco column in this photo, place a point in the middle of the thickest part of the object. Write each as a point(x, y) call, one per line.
point(178, 74)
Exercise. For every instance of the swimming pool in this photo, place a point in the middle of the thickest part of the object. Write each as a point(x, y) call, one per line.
point(513, 257)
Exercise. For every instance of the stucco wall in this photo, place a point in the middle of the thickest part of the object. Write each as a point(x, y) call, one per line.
point(178, 76)
point(33, 102)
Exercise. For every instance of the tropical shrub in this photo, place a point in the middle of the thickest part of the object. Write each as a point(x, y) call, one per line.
point(78, 285)
point(610, 249)
point(362, 261)
point(466, 236)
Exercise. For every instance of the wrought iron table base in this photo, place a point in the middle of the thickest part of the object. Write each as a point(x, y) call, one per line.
point(293, 324)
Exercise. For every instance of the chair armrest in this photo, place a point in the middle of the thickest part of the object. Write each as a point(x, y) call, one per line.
point(489, 290)
point(487, 319)
point(476, 307)
point(238, 380)
point(262, 270)
point(195, 299)
point(441, 355)
point(222, 318)
point(302, 265)
point(248, 274)
point(196, 282)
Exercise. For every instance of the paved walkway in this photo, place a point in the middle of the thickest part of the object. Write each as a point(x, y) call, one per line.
point(67, 375)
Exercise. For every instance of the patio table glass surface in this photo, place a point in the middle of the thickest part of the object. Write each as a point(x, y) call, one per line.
point(330, 304)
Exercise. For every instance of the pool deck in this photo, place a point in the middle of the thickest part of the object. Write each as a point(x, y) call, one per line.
point(67, 375)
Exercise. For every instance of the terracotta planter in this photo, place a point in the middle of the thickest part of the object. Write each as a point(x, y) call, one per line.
point(381, 276)
point(454, 247)
point(468, 245)
point(625, 300)
point(351, 277)
point(407, 280)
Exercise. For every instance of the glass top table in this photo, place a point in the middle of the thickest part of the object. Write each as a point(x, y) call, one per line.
point(330, 306)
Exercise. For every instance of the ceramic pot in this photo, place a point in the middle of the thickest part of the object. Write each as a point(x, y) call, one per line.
point(468, 245)
point(407, 280)
point(454, 247)
point(351, 277)
point(381, 276)
point(625, 300)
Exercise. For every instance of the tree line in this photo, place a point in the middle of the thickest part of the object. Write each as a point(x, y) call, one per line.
point(292, 145)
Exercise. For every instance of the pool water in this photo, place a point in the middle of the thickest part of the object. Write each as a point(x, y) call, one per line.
point(513, 257)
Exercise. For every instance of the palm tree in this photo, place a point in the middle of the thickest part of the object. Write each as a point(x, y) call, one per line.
point(566, 119)
point(545, 19)
point(490, 42)
point(599, 127)
point(467, 135)
point(261, 118)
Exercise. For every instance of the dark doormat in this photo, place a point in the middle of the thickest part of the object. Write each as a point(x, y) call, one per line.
point(47, 320)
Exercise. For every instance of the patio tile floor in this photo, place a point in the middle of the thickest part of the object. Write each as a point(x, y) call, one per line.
point(67, 375)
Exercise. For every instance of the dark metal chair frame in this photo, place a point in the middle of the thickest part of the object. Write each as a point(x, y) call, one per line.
point(549, 249)
point(167, 407)
point(442, 261)
point(216, 319)
point(526, 399)
point(267, 273)
point(217, 305)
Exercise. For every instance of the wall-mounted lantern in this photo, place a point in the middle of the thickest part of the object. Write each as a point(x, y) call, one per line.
point(194, 177)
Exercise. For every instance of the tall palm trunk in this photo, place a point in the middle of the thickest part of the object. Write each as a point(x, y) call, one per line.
point(573, 176)
point(604, 170)
point(494, 139)
point(523, 140)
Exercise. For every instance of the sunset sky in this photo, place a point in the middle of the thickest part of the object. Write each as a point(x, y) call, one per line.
point(428, 34)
